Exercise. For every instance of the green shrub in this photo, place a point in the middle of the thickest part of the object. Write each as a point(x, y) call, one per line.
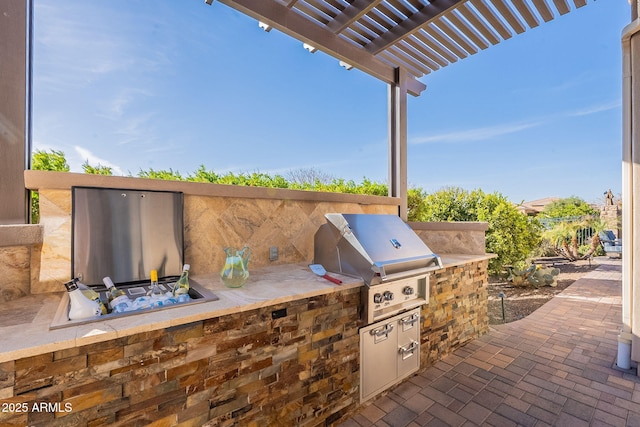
point(544, 249)
point(511, 235)
point(52, 160)
point(568, 207)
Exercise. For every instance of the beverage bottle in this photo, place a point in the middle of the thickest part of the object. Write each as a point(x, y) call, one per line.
point(80, 307)
point(182, 285)
point(118, 299)
point(155, 290)
point(92, 295)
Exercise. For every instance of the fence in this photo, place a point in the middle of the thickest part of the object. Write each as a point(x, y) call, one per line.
point(584, 234)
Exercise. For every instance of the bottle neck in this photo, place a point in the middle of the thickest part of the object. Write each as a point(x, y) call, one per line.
point(108, 283)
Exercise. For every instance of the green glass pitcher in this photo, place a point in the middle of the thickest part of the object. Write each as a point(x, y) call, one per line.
point(235, 271)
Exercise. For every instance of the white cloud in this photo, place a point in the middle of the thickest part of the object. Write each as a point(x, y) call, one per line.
point(477, 134)
point(138, 129)
point(596, 109)
point(489, 132)
point(94, 160)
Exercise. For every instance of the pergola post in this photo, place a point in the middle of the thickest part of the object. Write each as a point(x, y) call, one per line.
point(398, 140)
point(14, 109)
point(630, 194)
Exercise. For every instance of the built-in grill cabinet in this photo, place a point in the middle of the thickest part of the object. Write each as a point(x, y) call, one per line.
point(389, 352)
point(394, 264)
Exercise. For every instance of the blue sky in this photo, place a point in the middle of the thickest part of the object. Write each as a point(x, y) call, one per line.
point(135, 84)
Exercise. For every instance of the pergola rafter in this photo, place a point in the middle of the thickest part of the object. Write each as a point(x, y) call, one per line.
point(421, 36)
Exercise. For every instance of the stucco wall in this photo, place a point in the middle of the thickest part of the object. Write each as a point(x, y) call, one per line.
point(215, 216)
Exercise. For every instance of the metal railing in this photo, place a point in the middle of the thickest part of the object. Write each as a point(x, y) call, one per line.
point(584, 234)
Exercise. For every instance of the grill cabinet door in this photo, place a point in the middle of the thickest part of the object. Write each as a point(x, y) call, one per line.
point(378, 351)
point(389, 352)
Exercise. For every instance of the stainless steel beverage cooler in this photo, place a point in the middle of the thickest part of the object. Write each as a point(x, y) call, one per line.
point(125, 234)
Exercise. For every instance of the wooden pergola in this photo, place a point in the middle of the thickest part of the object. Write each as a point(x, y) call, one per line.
point(395, 41)
point(400, 41)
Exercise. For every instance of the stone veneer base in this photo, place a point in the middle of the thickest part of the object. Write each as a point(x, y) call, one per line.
point(239, 369)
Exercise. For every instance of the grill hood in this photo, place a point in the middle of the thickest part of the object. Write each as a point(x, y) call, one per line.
point(376, 248)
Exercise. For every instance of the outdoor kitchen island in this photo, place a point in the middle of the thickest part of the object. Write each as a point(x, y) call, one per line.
point(282, 350)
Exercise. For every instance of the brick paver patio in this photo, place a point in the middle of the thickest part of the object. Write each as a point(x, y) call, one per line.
point(554, 367)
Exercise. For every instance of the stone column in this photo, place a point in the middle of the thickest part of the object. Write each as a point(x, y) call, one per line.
point(610, 217)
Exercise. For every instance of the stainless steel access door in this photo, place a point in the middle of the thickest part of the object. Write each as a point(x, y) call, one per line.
point(378, 357)
point(389, 352)
point(124, 234)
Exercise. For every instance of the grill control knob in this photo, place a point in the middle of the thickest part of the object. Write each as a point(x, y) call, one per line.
point(378, 298)
point(408, 290)
point(388, 296)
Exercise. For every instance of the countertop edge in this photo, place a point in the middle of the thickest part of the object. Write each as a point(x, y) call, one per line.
point(37, 338)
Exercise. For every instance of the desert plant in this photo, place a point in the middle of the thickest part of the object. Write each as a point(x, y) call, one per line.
point(564, 238)
point(595, 248)
point(534, 275)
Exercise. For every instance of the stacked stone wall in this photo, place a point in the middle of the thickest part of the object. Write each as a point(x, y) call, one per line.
point(241, 369)
point(15, 262)
point(288, 364)
point(457, 312)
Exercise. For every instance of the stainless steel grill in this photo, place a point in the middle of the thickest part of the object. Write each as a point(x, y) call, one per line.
point(385, 252)
point(394, 264)
point(377, 248)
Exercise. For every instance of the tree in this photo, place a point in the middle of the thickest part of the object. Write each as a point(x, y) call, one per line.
point(560, 236)
point(52, 160)
point(203, 175)
point(169, 175)
point(308, 176)
point(568, 207)
point(563, 236)
point(511, 235)
point(415, 204)
point(597, 226)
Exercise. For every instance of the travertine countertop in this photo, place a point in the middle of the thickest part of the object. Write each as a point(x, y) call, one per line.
point(25, 323)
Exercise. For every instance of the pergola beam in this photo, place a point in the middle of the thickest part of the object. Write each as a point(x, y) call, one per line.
point(297, 26)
